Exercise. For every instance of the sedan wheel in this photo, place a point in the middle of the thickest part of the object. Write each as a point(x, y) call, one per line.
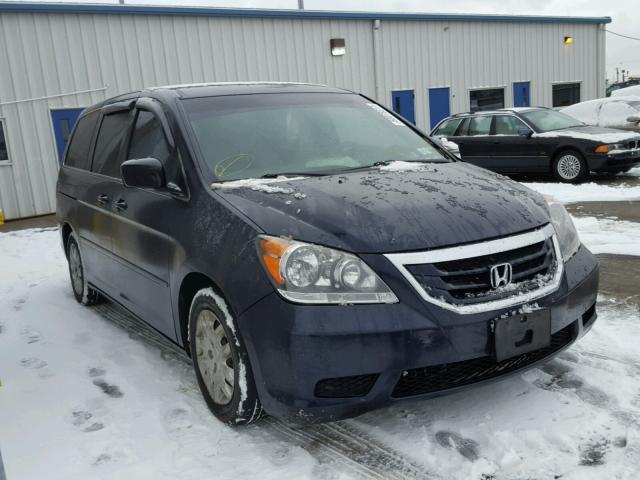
point(569, 167)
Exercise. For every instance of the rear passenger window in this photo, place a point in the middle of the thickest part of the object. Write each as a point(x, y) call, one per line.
point(106, 159)
point(480, 125)
point(508, 125)
point(148, 141)
point(448, 127)
point(80, 146)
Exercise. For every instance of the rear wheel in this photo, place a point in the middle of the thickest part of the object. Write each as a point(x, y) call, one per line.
point(221, 361)
point(81, 290)
point(569, 166)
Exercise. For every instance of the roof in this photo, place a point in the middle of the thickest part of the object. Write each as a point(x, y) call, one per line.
point(36, 7)
point(245, 88)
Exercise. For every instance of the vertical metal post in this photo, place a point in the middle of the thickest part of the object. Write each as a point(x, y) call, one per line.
point(377, 63)
point(2, 474)
point(300, 4)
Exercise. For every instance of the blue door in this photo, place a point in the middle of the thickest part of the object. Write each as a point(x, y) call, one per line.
point(521, 94)
point(64, 120)
point(403, 104)
point(438, 105)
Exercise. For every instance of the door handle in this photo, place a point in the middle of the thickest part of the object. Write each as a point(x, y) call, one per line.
point(103, 199)
point(120, 205)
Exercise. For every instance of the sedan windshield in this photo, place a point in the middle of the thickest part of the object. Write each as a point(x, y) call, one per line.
point(549, 120)
point(252, 136)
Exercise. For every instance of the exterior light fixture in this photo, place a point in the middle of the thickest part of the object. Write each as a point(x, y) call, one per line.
point(338, 47)
point(568, 40)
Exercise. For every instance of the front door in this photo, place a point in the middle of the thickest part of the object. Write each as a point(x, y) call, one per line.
point(521, 94)
point(514, 152)
point(404, 104)
point(439, 107)
point(144, 225)
point(64, 119)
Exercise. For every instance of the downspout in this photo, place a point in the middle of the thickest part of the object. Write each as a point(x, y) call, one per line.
point(377, 63)
point(600, 64)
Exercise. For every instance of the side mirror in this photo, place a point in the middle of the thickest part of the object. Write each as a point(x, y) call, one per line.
point(634, 118)
point(144, 173)
point(525, 132)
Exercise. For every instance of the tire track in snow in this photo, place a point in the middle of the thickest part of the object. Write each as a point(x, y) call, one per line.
point(340, 445)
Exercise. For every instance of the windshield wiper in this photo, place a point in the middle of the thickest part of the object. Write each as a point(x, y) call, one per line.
point(294, 174)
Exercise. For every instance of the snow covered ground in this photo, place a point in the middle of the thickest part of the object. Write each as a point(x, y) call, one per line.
point(86, 394)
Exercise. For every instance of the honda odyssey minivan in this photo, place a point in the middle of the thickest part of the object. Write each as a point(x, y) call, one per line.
point(316, 255)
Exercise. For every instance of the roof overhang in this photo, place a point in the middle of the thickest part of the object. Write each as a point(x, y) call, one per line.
point(111, 9)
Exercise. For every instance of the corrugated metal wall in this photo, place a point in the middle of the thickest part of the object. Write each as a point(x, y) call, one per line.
point(49, 54)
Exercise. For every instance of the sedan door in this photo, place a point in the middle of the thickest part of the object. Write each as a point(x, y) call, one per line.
point(474, 140)
point(514, 149)
point(144, 229)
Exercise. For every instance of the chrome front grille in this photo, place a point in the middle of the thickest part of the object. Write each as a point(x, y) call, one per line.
point(459, 278)
point(468, 280)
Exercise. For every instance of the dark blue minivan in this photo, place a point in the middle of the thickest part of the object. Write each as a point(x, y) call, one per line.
point(316, 255)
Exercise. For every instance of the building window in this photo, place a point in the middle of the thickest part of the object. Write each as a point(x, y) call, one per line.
point(489, 99)
point(4, 152)
point(566, 94)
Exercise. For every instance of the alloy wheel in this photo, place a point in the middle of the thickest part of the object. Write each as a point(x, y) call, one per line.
point(569, 166)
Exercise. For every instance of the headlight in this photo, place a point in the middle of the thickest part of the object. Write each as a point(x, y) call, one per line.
point(307, 273)
point(565, 229)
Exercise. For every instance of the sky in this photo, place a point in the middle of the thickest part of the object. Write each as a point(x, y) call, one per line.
point(621, 52)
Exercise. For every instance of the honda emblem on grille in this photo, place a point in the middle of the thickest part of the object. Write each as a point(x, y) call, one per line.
point(501, 275)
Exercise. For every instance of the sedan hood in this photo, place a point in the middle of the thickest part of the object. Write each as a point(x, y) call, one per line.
point(402, 207)
point(594, 134)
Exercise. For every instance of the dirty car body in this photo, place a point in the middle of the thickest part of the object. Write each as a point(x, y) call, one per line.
point(358, 268)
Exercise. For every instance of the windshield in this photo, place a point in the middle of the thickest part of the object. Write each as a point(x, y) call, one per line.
point(251, 136)
point(549, 120)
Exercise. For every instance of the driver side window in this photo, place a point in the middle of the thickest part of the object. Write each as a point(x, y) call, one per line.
point(148, 141)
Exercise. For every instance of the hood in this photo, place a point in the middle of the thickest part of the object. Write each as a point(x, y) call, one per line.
point(592, 133)
point(401, 208)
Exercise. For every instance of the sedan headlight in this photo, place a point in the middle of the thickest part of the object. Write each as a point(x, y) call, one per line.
point(307, 273)
point(565, 229)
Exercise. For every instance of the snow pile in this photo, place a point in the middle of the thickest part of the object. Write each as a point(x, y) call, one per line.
point(623, 92)
point(449, 145)
point(585, 192)
point(605, 112)
point(606, 235)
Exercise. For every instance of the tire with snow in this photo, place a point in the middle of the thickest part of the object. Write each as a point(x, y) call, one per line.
point(569, 166)
point(81, 290)
point(221, 361)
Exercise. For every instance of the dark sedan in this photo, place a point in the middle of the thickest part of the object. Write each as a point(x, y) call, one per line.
point(539, 140)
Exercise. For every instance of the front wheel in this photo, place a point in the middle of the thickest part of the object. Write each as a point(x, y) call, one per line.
point(569, 166)
point(221, 361)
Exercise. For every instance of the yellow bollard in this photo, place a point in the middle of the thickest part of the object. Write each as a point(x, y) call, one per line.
point(1, 217)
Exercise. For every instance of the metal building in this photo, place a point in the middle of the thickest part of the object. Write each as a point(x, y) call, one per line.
point(56, 59)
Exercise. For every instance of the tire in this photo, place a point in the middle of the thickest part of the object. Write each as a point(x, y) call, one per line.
point(221, 362)
point(81, 290)
point(569, 166)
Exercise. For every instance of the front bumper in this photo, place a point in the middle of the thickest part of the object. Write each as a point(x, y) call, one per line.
point(294, 347)
point(615, 161)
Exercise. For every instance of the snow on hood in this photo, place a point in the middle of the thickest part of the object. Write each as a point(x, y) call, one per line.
point(603, 135)
point(383, 211)
point(261, 185)
point(402, 166)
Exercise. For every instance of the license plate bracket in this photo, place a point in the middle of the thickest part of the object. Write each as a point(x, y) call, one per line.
point(522, 333)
